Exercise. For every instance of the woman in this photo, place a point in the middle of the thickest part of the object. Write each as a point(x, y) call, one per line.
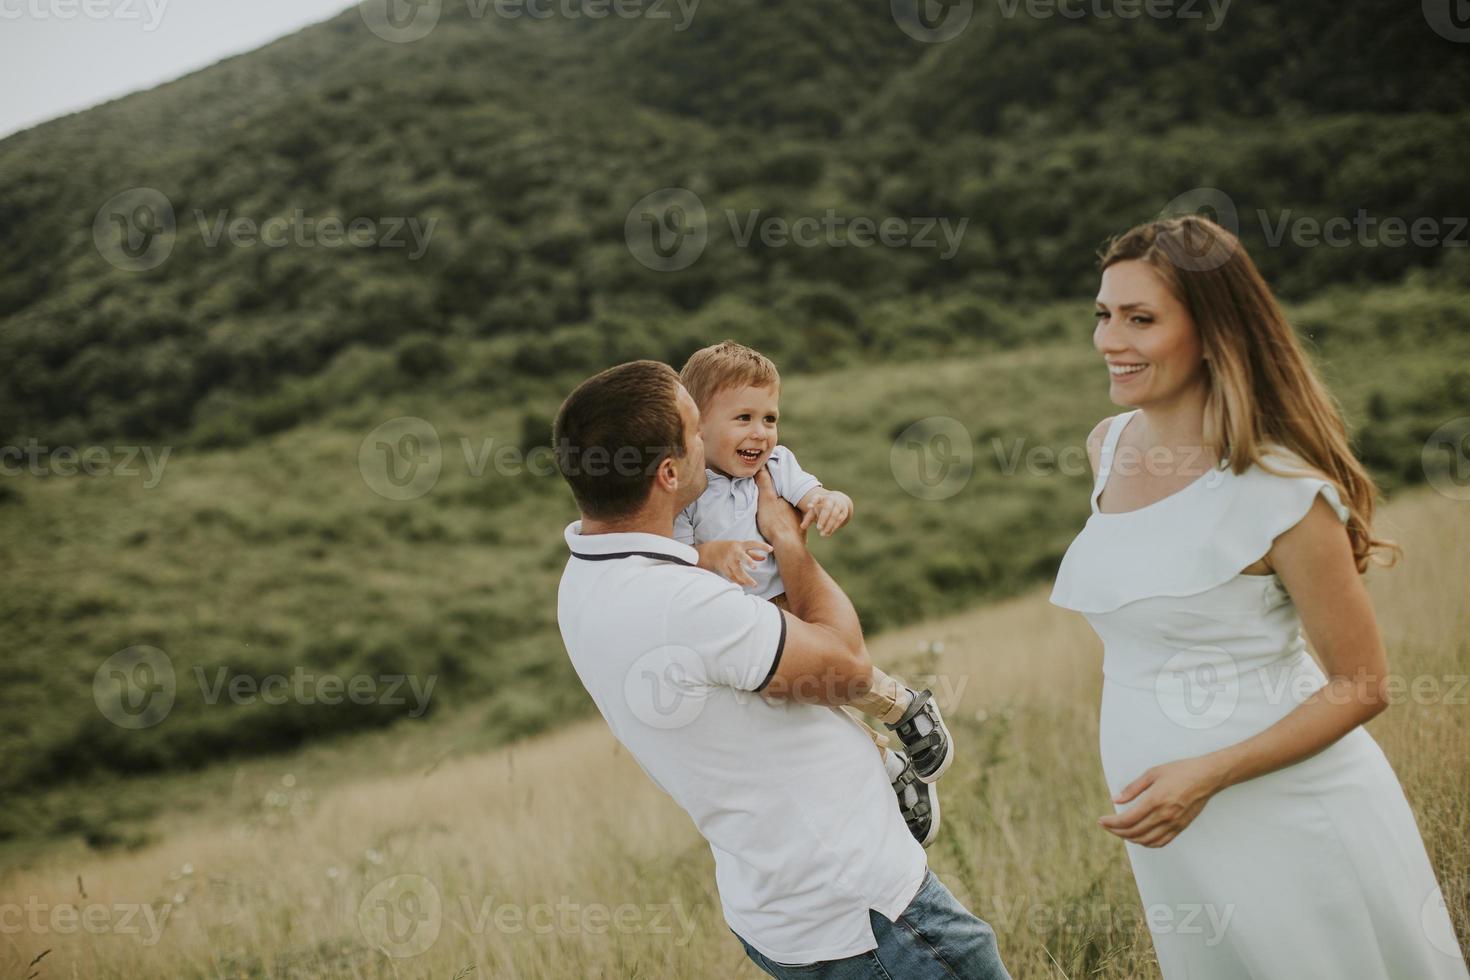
point(1267, 833)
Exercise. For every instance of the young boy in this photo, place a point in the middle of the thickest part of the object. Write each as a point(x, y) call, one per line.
point(737, 390)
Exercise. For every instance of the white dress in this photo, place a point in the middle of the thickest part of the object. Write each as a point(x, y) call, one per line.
point(1314, 871)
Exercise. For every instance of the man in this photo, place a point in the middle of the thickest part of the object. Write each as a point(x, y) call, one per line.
point(733, 706)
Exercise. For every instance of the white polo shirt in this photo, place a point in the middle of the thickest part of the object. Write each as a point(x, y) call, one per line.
point(792, 798)
point(727, 508)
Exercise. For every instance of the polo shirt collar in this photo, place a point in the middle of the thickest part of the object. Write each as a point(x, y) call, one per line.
point(627, 544)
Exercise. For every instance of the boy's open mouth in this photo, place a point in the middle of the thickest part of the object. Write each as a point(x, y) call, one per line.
point(749, 455)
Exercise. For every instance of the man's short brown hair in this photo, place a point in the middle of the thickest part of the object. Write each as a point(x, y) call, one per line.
point(726, 365)
point(612, 432)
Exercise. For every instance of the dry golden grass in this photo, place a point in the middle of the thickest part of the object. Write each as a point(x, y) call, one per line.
point(557, 858)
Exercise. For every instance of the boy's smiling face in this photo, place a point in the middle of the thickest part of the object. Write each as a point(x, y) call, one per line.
point(739, 426)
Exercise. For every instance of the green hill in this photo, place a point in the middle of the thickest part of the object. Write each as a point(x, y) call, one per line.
point(518, 148)
point(527, 141)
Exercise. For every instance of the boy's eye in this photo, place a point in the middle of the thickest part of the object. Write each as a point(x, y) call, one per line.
point(1100, 314)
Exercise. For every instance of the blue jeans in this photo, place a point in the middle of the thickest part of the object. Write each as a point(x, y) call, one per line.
point(935, 937)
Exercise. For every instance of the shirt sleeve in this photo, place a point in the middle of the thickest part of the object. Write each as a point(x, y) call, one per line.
point(684, 526)
point(737, 638)
point(790, 480)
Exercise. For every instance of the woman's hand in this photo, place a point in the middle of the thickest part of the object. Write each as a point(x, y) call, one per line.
point(1166, 798)
point(831, 510)
point(729, 558)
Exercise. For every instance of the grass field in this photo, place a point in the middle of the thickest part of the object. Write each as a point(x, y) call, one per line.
point(280, 555)
point(557, 858)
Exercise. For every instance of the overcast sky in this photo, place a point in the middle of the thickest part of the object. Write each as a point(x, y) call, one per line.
point(58, 56)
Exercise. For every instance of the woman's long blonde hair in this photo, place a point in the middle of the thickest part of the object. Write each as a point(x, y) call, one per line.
point(1261, 387)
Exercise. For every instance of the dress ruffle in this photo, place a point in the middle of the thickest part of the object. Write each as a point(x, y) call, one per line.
point(1190, 542)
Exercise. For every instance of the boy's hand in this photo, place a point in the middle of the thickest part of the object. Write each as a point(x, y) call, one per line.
point(831, 509)
point(732, 558)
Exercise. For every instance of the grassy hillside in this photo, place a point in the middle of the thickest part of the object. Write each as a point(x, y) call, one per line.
point(282, 556)
point(557, 858)
point(256, 378)
point(527, 142)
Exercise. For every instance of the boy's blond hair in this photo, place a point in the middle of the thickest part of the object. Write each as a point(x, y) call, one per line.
point(726, 365)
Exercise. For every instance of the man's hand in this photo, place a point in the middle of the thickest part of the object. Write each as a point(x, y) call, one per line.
point(732, 558)
point(777, 520)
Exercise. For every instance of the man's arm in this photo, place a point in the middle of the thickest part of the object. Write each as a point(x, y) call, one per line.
point(825, 660)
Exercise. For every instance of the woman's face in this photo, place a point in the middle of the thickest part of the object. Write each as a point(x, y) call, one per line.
point(1146, 336)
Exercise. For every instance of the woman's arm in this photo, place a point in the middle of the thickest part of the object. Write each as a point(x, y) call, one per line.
point(1315, 562)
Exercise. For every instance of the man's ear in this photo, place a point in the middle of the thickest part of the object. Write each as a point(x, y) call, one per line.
point(667, 474)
